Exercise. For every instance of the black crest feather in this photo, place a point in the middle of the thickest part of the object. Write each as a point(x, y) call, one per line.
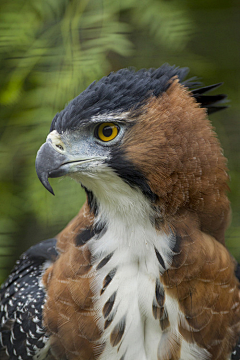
point(210, 102)
point(126, 90)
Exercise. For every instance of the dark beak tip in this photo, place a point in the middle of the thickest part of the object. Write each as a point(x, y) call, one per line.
point(43, 177)
point(48, 164)
point(42, 173)
point(50, 189)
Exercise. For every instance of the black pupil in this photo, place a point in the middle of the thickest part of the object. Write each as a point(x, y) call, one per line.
point(107, 131)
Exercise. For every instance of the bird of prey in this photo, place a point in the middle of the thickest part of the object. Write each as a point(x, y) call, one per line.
point(142, 272)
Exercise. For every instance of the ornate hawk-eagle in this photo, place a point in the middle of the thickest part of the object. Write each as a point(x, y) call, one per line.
point(142, 272)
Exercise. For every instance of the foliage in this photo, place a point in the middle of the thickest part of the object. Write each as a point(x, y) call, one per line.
point(50, 50)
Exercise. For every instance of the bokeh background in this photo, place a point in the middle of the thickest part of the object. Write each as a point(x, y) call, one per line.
point(50, 50)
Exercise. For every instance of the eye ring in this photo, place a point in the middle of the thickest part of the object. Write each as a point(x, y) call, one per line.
point(106, 131)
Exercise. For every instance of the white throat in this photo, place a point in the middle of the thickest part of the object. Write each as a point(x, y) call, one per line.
point(126, 269)
point(131, 239)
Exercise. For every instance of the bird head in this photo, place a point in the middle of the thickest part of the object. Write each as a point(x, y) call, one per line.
point(146, 132)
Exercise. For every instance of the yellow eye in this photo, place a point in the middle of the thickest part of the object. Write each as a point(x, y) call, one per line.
point(107, 131)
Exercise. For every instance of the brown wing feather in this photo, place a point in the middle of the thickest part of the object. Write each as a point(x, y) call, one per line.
point(68, 312)
point(203, 281)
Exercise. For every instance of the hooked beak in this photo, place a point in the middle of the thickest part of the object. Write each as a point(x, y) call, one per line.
point(49, 164)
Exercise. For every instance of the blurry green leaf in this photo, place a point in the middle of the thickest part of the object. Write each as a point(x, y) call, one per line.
point(11, 93)
point(167, 21)
point(49, 52)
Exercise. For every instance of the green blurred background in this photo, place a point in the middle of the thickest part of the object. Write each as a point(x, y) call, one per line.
point(50, 50)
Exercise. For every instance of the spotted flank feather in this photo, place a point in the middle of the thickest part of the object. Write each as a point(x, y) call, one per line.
point(22, 334)
point(236, 350)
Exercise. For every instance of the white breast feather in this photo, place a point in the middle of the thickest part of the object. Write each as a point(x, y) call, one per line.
point(132, 239)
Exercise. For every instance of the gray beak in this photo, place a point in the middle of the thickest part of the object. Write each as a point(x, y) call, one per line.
point(48, 164)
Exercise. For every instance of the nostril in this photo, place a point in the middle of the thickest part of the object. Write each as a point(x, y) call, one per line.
point(59, 146)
